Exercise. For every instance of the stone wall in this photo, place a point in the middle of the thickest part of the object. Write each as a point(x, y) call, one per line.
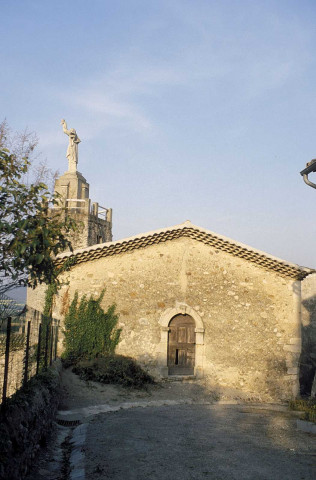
point(248, 318)
point(17, 350)
point(15, 371)
point(99, 230)
point(26, 422)
point(91, 229)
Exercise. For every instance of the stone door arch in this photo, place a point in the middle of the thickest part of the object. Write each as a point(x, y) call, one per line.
point(164, 321)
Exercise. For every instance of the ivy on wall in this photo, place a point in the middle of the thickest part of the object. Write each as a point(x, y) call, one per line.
point(90, 332)
point(50, 293)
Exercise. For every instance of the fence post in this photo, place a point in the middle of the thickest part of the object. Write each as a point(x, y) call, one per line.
point(38, 356)
point(6, 364)
point(27, 352)
point(46, 347)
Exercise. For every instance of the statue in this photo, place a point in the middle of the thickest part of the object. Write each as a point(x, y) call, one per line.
point(72, 150)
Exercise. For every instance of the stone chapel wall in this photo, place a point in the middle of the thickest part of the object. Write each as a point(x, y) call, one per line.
point(251, 316)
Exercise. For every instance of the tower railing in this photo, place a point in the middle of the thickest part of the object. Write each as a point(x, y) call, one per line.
point(83, 205)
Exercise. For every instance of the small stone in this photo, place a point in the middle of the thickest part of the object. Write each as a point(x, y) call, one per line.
point(295, 341)
point(292, 348)
point(292, 371)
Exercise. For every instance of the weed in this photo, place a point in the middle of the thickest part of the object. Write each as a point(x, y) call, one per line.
point(306, 405)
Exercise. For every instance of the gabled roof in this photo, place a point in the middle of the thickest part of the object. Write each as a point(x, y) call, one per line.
point(187, 229)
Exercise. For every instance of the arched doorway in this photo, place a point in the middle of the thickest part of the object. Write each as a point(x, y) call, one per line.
point(181, 345)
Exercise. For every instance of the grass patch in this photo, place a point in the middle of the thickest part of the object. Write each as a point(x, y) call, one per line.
point(114, 369)
point(306, 405)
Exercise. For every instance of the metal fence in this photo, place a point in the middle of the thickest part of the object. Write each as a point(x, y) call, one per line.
point(28, 345)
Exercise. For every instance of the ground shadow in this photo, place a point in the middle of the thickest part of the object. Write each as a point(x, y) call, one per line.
point(307, 360)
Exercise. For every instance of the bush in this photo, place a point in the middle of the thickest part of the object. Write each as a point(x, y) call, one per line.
point(89, 331)
point(114, 369)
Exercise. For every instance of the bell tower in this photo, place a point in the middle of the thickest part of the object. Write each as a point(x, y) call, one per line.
point(95, 222)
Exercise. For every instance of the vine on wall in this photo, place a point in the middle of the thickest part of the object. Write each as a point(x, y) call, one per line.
point(90, 332)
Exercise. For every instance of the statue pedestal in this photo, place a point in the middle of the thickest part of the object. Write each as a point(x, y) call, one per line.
point(72, 185)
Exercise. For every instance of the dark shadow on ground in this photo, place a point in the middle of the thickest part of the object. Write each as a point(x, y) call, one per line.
point(307, 361)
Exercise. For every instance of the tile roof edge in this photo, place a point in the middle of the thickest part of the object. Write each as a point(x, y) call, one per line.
point(127, 239)
point(182, 226)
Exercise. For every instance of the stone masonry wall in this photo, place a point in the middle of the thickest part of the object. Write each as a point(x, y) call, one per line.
point(26, 422)
point(91, 230)
point(99, 230)
point(250, 315)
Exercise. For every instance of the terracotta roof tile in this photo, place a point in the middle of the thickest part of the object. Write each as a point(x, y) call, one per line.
point(189, 230)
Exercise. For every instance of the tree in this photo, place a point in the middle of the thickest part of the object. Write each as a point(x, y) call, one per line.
point(30, 235)
point(23, 145)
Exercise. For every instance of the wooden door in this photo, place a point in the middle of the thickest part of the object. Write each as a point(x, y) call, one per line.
point(181, 345)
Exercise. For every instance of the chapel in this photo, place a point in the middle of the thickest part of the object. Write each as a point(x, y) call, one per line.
point(192, 303)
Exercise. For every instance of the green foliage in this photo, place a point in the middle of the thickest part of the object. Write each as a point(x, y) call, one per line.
point(30, 236)
point(49, 298)
point(51, 290)
point(306, 405)
point(89, 331)
point(46, 322)
point(114, 369)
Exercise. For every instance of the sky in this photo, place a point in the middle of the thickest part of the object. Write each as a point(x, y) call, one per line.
point(186, 109)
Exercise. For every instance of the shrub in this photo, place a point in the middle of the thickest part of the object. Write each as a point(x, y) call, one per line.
point(114, 369)
point(90, 332)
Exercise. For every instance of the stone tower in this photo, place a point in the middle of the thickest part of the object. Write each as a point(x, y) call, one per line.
point(95, 221)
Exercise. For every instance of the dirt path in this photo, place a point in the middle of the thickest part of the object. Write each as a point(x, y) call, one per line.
point(176, 429)
point(79, 394)
point(179, 429)
point(219, 442)
point(81, 400)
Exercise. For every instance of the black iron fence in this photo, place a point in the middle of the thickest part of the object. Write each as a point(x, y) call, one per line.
point(28, 345)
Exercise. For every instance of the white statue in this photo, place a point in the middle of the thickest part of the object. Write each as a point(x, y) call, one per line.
point(72, 150)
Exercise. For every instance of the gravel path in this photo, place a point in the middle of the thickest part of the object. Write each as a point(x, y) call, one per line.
point(198, 441)
point(175, 430)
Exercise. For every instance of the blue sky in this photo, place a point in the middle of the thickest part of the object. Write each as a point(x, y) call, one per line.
point(199, 110)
